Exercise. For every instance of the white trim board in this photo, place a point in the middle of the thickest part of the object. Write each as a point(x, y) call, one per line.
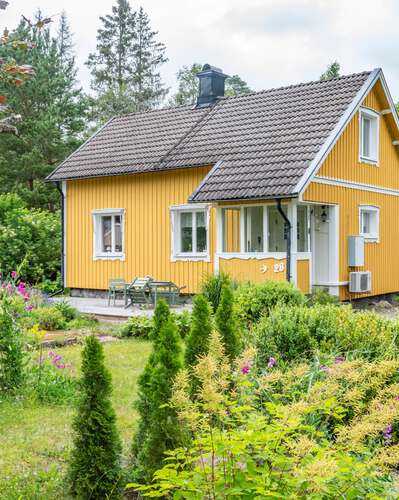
point(355, 185)
point(317, 162)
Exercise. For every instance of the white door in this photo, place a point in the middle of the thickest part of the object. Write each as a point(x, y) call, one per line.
point(321, 244)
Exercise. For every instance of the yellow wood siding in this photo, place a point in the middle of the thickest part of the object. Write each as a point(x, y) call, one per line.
point(243, 270)
point(303, 278)
point(381, 258)
point(146, 199)
point(231, 227)
point(343, 160)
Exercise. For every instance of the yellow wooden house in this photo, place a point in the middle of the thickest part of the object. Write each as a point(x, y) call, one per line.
point(298, 183)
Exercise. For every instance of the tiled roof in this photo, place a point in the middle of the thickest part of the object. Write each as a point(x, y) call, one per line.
point(261, 144)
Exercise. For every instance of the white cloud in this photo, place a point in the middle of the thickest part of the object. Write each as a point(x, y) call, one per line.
point(267, 42)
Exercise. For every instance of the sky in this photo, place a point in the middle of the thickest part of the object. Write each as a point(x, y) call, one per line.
point(269, 43)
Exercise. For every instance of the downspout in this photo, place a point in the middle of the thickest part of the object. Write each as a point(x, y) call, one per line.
point(57, 185)
point(287, 229)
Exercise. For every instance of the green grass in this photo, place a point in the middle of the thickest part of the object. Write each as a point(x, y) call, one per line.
point(36, 438)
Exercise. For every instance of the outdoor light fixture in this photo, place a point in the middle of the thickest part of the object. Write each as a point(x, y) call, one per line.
point(324, 215)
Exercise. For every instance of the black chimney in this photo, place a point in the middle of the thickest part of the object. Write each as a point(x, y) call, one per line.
point(211, 85)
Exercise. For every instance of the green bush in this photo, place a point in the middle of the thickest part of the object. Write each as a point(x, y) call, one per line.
point(322, 297)
point(30, 236)
point(68, 312)
point(256, 300)
point(82, 321)
point(211, 288)
point(183, 322)
point(12, 355)
point(94, 464)
point(47, 317)
point(137, 326)
point(294, 332)
point(226, 323)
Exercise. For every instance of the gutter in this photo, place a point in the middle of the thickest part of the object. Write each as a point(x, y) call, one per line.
point(59, 189)
point(287, 228)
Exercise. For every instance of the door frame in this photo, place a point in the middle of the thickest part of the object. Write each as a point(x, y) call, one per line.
point(333, 283)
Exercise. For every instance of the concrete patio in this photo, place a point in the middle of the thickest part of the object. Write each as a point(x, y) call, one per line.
point(99, 307)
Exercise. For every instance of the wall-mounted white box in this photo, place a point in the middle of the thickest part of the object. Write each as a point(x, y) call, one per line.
point(355, 251)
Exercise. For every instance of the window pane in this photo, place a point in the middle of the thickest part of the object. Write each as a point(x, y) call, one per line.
point(231, 229)
point(366, 223)
point(302, 228)
point(118, 233)
point(366, 136)
point(106, 232)
point(201, 232)
point(186, 232)
point(254, 229)
point(276, 230)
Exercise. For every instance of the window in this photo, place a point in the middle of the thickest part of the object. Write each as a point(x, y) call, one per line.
point(369, 222)
point(190, 232)
point(276, 225)
point(302, 229)
point(108, 233)
point(369, 123)
point(254, 238)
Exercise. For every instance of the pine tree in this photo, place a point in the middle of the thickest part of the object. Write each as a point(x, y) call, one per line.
point(52, 110)
point(226, 323)
point(197, 343)
point(163, 431)
point(332, 71)
point(143, 406)
point(235, 85)
point(125, 67)
point(94, 468)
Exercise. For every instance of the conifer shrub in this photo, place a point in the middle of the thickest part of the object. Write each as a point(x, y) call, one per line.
point(94, 465)
point(12, 353)
point(143, 403)
point(158, 429)
point(226, 323)
point(256, 300)
point(201, 327)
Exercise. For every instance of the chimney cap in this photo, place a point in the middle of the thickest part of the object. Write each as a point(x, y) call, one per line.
point(207, 68)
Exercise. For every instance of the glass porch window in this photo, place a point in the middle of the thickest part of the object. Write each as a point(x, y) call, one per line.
point(277, 237)
point(302, 229)
point(254, 237)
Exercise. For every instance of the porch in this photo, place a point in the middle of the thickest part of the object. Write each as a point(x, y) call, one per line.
point(251, 243)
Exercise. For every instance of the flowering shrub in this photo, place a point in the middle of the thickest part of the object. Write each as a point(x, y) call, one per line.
point(52, 379)
point(250, 443)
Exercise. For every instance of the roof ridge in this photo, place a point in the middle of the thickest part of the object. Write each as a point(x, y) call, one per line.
point(302, 84)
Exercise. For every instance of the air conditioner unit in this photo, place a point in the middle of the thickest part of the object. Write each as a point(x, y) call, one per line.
point(360, 282)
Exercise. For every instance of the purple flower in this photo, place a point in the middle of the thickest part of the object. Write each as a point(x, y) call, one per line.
point(56, 358)
point(13, 274)
point(51, 354)
point(245, 369)
point(339, 359)
point(387, 432)
point(324, 368)
point(272, 362)
point(60, 366)
point(29, 307)
point(396, 398)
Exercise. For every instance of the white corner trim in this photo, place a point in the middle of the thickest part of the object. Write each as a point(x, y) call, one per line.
point(337, 131)
point(105, 211)
point(64, 244)
point(355, 185)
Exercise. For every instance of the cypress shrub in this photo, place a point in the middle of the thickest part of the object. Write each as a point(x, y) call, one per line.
point(226, 323)
point(158, 429)
point(94, 469)
point(200, 331)
point(142, 405)
point(212, 288)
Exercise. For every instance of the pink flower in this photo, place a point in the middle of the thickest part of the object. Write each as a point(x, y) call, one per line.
point(245, 369)
point(60, 366)
point(25, 296)
point(29, 307)
point(396, 398)
point(272, 362)
point(51, 354)
point(13, 274)
point(56, 358)
point(339, 359)
point(21, 286)
point(324, 368)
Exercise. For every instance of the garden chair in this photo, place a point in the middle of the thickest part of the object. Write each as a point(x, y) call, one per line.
point(138, 292)
point(116, 286)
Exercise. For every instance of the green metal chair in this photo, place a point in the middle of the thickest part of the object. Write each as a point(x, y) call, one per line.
point(138, 292)
point(116, 286)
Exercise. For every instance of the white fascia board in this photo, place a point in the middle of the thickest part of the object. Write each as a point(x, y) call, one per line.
point(337, 131)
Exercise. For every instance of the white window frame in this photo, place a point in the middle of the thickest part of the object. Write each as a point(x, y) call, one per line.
point(374, 117)
point(98, 254)
point(175, 214)
point(373, 236)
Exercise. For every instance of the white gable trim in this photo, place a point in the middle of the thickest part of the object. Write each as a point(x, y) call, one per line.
point(339, 128)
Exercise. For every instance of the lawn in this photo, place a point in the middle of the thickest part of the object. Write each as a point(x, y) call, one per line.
point(35, 438)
